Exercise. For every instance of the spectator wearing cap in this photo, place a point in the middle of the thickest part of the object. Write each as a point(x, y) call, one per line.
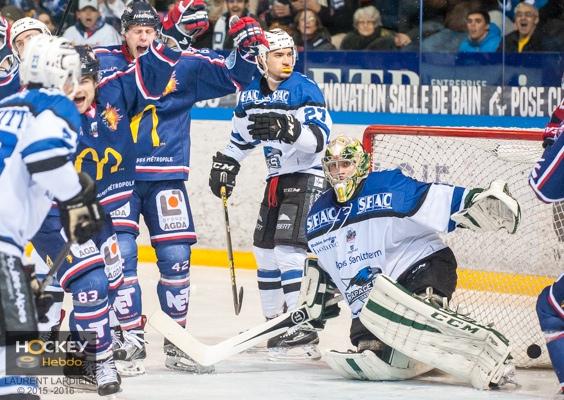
point(90, 28)
point(235, 8)
point(368, 29)
point(483, 36)
point(526, 37)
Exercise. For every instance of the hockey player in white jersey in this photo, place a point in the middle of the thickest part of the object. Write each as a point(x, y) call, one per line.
point(285, 112)
point(376, 239)
point(38, 133)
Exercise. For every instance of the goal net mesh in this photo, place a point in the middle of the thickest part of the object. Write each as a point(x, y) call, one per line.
point(499, 275)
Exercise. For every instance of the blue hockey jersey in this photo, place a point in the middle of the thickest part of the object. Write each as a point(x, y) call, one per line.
point(299, 96)
point(161, 130)
point(389, 225)
point(547, 177)
point(106, 151)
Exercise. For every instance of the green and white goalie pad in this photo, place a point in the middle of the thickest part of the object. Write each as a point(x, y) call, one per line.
point(489, 210)
point(367, 366)
point(436, 336)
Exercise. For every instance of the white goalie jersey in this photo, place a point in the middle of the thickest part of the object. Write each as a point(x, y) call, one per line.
point(299, 96)
point(393, 222)
point(38, 133)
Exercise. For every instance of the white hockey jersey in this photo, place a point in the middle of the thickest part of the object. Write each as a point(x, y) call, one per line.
point(299, 96)
point(388, 226)
point(38, 133)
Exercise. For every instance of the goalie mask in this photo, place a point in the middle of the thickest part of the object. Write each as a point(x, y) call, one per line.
point(345, 165)
point(277, 39)
point(51, 62)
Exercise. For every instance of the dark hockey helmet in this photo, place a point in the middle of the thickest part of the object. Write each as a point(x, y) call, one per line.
point(89, 65)
point(139, 13)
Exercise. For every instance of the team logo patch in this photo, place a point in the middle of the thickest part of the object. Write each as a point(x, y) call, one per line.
point(84, 250)
point(298, 316)
point(122, 212)
point(171, 207)
point(112, 257)
point(111, 117)
point(361, 284)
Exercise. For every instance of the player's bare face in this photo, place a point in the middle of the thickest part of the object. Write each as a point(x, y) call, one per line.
point(22, 39)
point(85, 93)
point(139, 38)
point(280, 64)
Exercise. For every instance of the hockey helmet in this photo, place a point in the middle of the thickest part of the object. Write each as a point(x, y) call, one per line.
point(345, 165)
point(50, 62)
point(277, 39)
point(139, 13)
point(89, 65)
point(24, 25)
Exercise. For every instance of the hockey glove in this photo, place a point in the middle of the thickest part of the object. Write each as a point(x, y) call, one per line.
point(82, 216)
point(43, 300)
point(273, 126)
point(247, 35)
point(223, 173)
point(185, 22)
point(6, 56)
point(555, 126)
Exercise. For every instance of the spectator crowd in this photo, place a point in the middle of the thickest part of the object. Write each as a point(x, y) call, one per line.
point(384, 25)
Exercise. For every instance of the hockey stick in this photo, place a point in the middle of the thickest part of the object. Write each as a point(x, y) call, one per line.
point(211, 354)
point(64, 18)
point(237, 300)
point(55, 267)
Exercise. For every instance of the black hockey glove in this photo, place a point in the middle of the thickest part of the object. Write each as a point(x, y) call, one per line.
point(223, 173)
point(82, 216)
point(43, 300)
point(273, 126)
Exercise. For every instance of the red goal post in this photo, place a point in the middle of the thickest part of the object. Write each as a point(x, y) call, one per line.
point(499, 275)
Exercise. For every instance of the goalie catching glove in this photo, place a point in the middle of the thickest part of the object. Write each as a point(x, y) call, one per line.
point(223, 173)
point(185, 22)
point(274, 126)
point(489, 210)
point(82, 216)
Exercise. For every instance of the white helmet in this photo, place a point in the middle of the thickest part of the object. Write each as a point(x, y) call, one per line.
point(50, 62)
point(23, 25)
point(277, 39)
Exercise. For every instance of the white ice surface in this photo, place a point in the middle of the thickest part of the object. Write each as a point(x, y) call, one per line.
point(252, 376)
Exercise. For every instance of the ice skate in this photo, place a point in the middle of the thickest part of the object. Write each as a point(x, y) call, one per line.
point(95, 376)
point(129, 352)
point(295, 344)
point(177, 360)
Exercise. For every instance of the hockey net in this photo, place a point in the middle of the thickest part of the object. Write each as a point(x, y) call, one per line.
point(499, 275)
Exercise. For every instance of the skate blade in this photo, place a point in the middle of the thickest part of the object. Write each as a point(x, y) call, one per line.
point(189, 368)
point(130, 368)
point(308, 352)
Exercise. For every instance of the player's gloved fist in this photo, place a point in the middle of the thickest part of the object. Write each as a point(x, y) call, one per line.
point(6, 56)
point(273, 126)
point(82, 216)
point(247, 34)
point(223, 173)
point(185, 22)
point(43, 301)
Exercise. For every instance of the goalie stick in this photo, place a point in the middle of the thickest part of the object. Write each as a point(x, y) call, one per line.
point(211, 354)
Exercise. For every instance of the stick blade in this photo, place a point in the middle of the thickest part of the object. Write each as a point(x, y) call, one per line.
point(239, 302)
point(180, 337)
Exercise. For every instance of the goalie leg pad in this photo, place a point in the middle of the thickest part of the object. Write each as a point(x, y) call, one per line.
point(367, 366)
point(436, 336)
point(489, 210)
